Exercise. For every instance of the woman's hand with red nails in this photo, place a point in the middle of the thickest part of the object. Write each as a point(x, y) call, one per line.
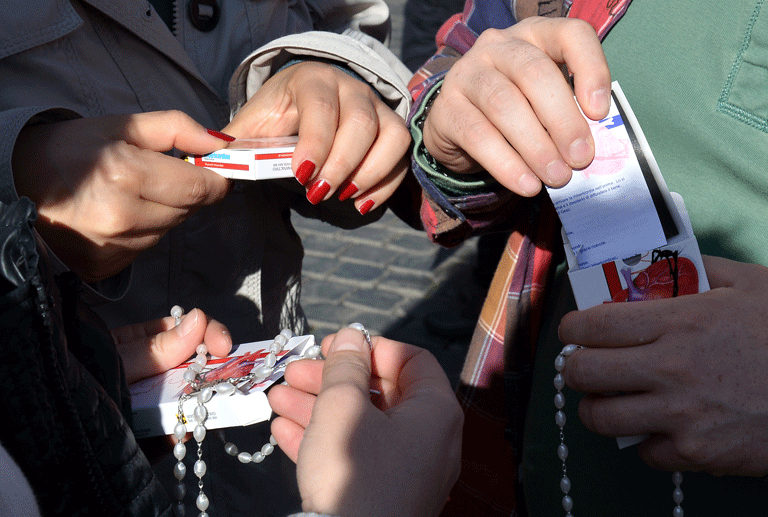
point(506, 106)
point(396, 455)
point(105, 191)
point(350, 141)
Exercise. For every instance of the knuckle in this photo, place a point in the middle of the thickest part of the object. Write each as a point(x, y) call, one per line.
point(399, 135)
point(692, 449)
point(198, 191)
point(176, 117)
point(576, 27)
point(365, 119)
point(323, 107)
point(491, 37)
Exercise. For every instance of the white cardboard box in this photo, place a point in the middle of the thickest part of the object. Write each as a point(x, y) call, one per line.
point(251, 159)
point(674, 269)
point(155, 400)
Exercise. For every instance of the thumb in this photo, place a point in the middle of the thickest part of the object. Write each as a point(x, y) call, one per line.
point(348, 361)
point(165, 130)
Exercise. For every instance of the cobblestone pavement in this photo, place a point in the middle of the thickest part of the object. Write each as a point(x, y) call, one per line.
point(388, 277)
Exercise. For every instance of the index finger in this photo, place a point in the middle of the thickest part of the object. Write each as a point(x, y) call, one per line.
point(621, 324)
point(318, 110)
point(165, 130)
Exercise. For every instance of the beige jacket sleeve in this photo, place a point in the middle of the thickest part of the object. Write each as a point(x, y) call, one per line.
point(364, 55)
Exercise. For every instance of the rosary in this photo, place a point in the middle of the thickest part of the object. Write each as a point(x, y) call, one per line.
point(562, 449)
point(204, 390)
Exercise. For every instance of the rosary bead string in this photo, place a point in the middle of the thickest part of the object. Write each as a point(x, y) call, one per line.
point(562, 449)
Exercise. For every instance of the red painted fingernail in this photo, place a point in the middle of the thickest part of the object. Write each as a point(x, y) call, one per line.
point(366, 207)
point(304, 172)
point(220, 135)
point(347, 190)
point(317, 191)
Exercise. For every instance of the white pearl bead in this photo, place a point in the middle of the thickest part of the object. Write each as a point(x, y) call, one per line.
point(203, 514)
point(179, 471)
point(189, 375)
point(267, 449)
point(559, 363)
point(281, 340)
point(196, 367)
point(244, 457)
point(677, 495)
point(179, 451)
point(559, 400)
point(199, 468)
point(357, 326)
point(225, 388)
point(180, 431)
point(565, 484)
point(677, 478)
point(286, 333)
point(275, 348)
point(677, 512)
point(270, 360)
point(257, 457)
point(201, 360)
point(231, 449)
point(200, 414)
point(179, 510)
point(202, 501)
point(569, 350)
point(559, 381)
point(177, 312)
point(567, 503)
point(562, 452)
point(560, 419)
point(201, 349)
point(312, 352)
point(263, 371)
point(199, 433)
point(205, 394)
point(272, 440)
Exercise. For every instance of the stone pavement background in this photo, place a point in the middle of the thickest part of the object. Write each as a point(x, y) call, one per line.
point(387, 276)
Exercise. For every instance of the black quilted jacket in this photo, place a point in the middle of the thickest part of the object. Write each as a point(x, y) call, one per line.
point(64, 399)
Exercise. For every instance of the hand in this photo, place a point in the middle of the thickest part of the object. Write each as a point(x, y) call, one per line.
point(103, 189)
point(691, 371)
point(397, 457)
point(349, 140)
point(157, 346)
point(506, 107)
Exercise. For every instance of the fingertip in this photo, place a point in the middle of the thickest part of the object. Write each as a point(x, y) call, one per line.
point(348, 340)
point(600, 103)
point(288, 436)
point(580, 152)
point(558, 173)
point(528, 184)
